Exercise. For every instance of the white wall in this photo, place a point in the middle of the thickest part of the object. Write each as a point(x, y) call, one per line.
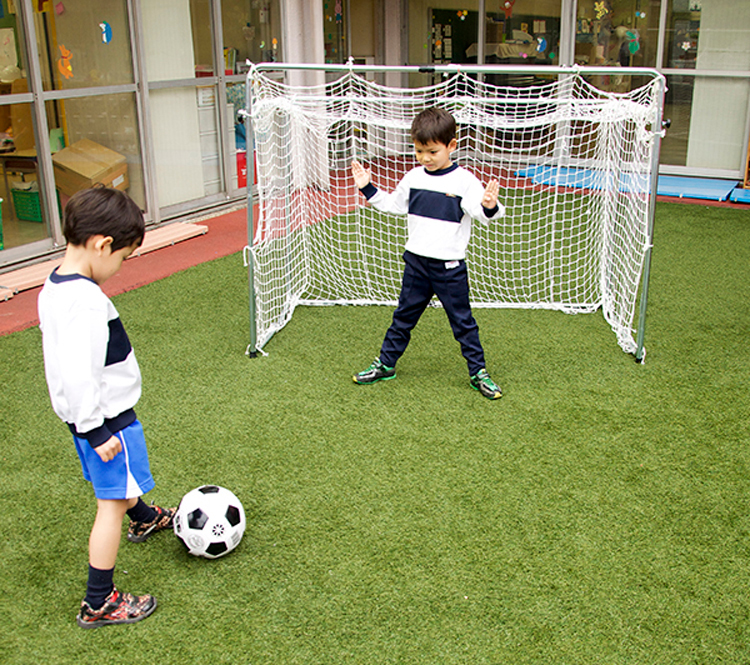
point(719, 112)
point(168, 42)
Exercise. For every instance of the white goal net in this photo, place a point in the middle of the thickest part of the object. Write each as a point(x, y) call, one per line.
point(574, 163)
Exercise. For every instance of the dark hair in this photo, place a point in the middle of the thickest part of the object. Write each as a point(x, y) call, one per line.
point(433, 124)
point(103, 211)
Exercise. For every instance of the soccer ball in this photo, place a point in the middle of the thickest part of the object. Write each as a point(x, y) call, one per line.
point(209, 521)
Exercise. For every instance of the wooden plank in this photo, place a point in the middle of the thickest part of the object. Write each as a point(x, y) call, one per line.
point(28, 277)
point(169, 235)
point(32, 276)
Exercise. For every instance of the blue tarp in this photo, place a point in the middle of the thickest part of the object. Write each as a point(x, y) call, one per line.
point(582, 178)
point(740, 196)
point(692, 188)
point(696, 188)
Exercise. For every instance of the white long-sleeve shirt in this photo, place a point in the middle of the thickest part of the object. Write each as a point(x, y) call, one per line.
point(92, 374)
point(440, 206)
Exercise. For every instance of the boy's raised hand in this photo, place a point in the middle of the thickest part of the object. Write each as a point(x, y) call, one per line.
point(489, 200)
point(361, 174)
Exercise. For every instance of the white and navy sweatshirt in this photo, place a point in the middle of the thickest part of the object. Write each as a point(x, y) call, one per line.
point(440, 206)
point(93, 377)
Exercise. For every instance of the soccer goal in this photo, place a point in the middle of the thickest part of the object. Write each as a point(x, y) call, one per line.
point(577, 168)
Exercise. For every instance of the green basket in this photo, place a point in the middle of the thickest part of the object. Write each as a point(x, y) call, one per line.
point(28, 206)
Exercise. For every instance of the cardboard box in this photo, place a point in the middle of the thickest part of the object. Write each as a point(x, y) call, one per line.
point(20, 118)
point(85, 163)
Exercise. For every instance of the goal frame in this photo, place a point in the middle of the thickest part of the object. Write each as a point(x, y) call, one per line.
point(286, 69)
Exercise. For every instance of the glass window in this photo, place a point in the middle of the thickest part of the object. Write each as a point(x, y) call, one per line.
point(23, 220)
point(102, 145)
point(177, 45)
point(678, 102)
point(695, 138)
point(681, 41)
point(708, 35)
point(197, 22)
point(617, 33)
point(523, 33)
point(527, 33)
point(252, 31)
point(23, 217)
point(334, 31)
point(518, 35)
point(83, 44)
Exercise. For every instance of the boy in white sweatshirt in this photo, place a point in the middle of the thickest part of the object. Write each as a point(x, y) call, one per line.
point(94, 383)
point(440, 200)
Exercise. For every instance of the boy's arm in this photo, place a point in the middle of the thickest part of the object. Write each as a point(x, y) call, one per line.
point(489, 200)
point(360, 174)
point(396, 203)
point(482, 204)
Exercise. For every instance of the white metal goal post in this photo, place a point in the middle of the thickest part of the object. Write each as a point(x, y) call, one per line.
point(578, 168)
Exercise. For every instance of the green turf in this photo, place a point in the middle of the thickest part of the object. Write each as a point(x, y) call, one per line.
point(598, 513)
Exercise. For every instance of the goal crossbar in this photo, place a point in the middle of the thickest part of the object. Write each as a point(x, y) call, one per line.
point(578, 168)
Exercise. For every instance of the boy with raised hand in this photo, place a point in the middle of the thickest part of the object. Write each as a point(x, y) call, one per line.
point(440, 200)
point(94, 383)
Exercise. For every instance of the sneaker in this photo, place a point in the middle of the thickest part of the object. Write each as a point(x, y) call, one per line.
point(139, 531)
point(118, 608)
point(375, 372)
point(482, 382)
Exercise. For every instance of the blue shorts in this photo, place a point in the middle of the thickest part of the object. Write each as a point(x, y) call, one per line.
point(127, 475)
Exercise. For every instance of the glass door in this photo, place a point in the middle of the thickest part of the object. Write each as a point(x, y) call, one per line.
point(24, 221)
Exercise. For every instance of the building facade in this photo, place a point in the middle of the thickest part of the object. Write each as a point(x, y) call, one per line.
point(144, 95)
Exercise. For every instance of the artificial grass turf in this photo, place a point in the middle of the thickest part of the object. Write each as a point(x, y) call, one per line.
point(597, 513)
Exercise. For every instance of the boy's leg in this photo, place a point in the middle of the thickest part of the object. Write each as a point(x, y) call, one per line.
point(104, 543)
point(452, 288)
point(453, 292)
point(416, 292)
point(146, 520)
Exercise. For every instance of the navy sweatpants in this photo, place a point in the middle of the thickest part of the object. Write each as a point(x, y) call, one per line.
point(422, 279)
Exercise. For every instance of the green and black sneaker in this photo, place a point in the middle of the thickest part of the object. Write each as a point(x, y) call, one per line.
point(375, 372)
point(482, 382)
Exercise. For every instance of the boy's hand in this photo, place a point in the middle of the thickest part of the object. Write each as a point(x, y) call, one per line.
point(489, 200)
point(361, 174)
point(109, 449)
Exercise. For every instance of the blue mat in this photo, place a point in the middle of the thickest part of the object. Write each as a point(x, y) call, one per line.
point(740, 196)
point(554, 176)
point(691, 188)
point(695, 188)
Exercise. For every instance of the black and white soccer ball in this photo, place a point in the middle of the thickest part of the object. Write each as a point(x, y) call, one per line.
point(209, 521)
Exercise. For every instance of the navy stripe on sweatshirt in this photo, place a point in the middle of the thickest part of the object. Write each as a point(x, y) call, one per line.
point(435, 205)
point(118, 346)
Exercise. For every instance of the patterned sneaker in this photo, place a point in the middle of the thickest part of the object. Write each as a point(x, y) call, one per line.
point(482, 382)
point(118, 608)
point(139, 531)
point(375, 372)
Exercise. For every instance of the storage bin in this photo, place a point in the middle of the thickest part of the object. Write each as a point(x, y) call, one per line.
point(28, 206)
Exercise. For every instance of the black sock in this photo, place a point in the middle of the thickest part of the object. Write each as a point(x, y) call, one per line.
point(141, 512)
point(100, 585)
